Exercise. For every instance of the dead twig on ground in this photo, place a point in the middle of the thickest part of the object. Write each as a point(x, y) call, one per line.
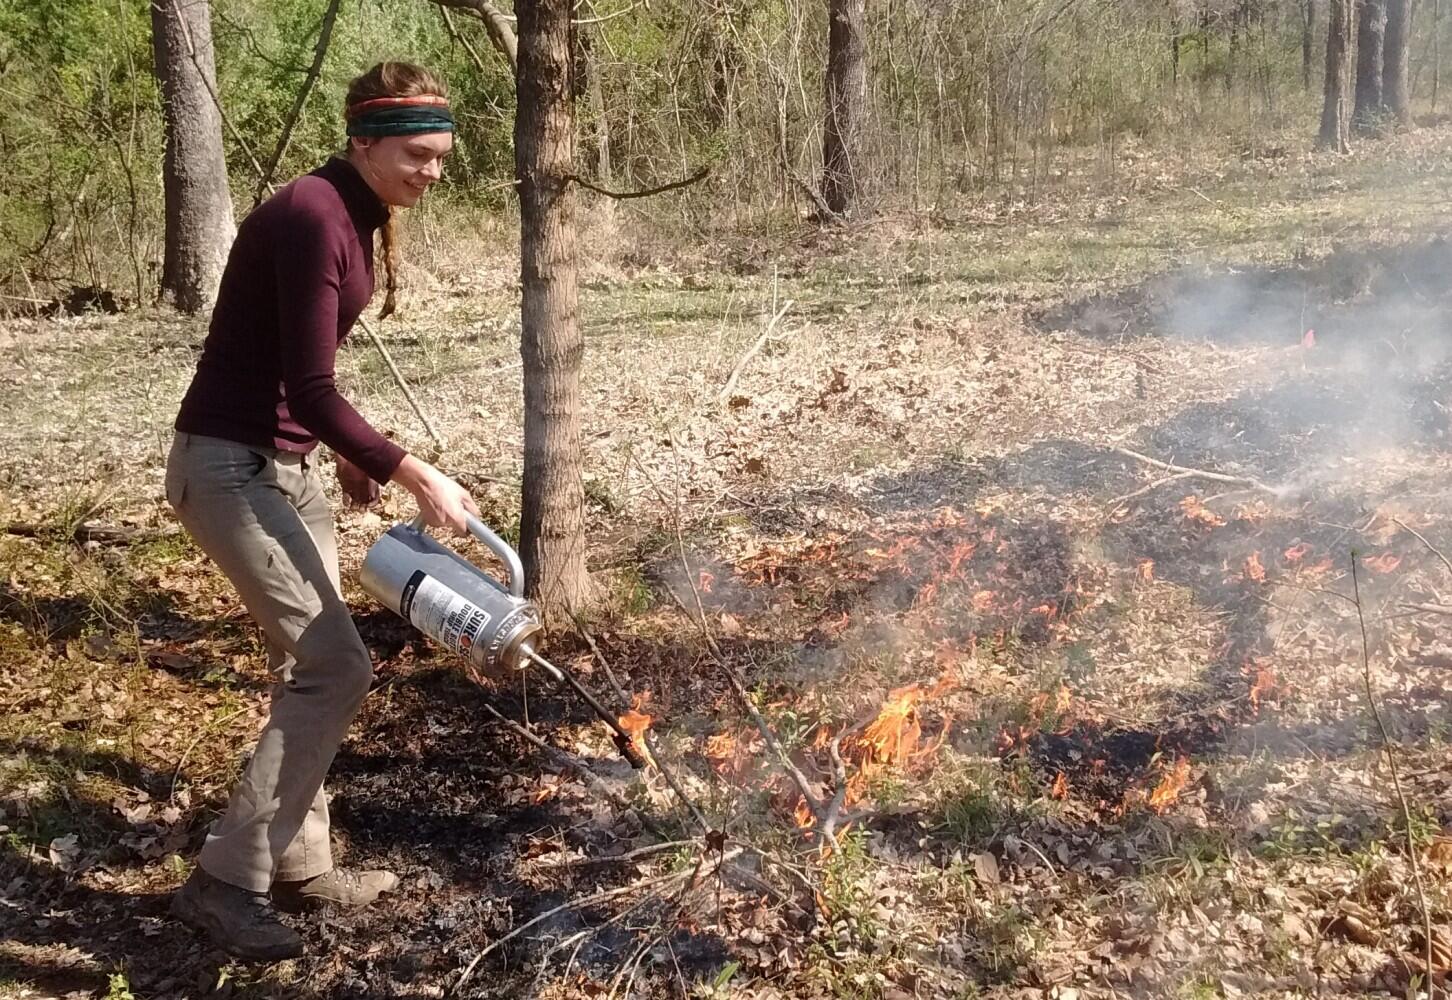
point(1216, 477)
point(206, 731)
point(598, 897)
point(752, 352)
point(1401, 799)
point(579, 767)
point(1434, 609)
point(1423, 539)
point(91, 532)
point(646, 738)
point(1119, 502)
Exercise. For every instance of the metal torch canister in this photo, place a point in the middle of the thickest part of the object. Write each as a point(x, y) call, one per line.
point(450, 599)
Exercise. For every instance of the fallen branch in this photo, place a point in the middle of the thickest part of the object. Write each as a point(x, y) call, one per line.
point(90, 532)
point(573, 763)
point(1435, 609)
point(1421, 538)
point(752, 352)
point(1391, 761)
point(699, 175)
point(833, 815)
point(1217, 477)
point(1118, 502)
point(625, 701)
point(737, 685)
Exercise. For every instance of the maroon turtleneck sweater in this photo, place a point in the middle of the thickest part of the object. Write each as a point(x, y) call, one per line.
point(299, 274)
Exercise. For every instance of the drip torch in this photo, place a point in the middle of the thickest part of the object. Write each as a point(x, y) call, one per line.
point(466, 610)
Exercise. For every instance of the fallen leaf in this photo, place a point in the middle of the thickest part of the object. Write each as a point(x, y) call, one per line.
point(65, 852)
point(985, 866)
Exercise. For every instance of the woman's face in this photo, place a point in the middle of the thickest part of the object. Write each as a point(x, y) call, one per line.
point(400, 168)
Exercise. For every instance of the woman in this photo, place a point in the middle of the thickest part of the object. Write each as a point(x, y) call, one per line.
point(243, 479)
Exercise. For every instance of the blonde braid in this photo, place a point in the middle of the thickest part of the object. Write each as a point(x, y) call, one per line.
point(389, 238)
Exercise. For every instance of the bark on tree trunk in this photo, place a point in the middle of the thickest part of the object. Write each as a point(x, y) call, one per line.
point(199, 222)
point(1395, 93)
point(1308, 41)
point(552, 524)
point(842, 166)
point(1334, 120)
point(1370, 39)
point(603, 168)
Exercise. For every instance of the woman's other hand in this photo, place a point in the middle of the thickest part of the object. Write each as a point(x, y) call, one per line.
point(442, 502)
point(357, 487)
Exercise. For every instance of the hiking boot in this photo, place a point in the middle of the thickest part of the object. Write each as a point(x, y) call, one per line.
point(241, 922)
point(340, 887)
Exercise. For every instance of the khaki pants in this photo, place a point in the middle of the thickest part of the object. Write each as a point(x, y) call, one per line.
point(262, 517)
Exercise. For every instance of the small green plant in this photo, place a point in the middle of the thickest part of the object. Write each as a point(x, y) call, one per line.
point(842, 886)
point(1201, 987)
point(118, 987)
point(972, 815)
point(630, 591)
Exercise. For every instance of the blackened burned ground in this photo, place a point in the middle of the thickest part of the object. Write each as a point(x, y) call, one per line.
point(430, 788)
point(1347, 298)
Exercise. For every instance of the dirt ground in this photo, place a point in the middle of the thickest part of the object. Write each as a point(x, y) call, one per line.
point(1029, 529)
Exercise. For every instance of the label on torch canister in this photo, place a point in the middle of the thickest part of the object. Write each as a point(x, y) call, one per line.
point(441, 613)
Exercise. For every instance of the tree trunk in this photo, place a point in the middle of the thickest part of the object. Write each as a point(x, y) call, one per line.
point(199, 224)
point(1308, 41)
point(603, 168)
point(552, 523)
point(1396, 55)
point(1334, 123)
point(842, 165)
point(1370, 38)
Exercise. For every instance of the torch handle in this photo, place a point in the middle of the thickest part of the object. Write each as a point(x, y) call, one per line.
point(623, 742)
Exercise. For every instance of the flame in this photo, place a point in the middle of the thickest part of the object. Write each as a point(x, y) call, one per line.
point(1196, 511)
point(1013, 739)
point(722, 746)
point(1263, 687)
point(1308, 340)
point(1167, 792)
point(706, 581)
point(1063, 700)
point(984, 600)
point(1146, 570)
point(635, 722)
point(1296, 553)
point(892, 737)
point(802, 815)
point(1384, 563)
point(1253, 569)
point(1060, 790)
point(823, 739)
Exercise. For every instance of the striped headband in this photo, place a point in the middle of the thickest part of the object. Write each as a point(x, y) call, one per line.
point(385, 116)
